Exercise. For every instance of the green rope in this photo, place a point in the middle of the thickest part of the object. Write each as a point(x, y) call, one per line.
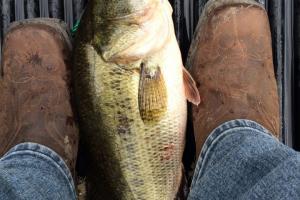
point(75, 28)
point(76, 25)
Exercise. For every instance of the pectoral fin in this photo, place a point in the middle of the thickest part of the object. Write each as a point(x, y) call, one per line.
point(191, 91)
point(152, 94)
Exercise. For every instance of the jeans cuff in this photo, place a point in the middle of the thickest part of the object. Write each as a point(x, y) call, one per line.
point(44, 153)
point(218, 134)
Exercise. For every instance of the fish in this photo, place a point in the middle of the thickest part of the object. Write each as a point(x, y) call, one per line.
point(131, 90)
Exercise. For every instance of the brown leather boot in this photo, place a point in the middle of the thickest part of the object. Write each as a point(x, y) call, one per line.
point(231, 61)
point(35, 89)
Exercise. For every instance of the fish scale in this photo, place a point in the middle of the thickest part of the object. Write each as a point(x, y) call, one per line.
point(132, 115)
point(131, 141)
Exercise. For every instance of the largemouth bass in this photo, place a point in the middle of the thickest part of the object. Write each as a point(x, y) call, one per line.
point(131, 90)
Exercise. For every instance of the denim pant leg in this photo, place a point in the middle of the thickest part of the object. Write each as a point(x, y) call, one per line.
point(34, 172)
point(241, 160)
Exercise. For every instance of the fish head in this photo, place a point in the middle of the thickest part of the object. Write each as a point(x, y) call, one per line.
point(113, 9)
point(132, 29)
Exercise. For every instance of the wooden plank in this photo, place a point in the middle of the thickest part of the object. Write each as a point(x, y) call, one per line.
point(68, 13)
point(19, 10)
point(31, 10)
point(44, 8)
point(56, 9)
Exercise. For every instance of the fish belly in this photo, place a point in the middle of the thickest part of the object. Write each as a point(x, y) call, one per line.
point(129, 159)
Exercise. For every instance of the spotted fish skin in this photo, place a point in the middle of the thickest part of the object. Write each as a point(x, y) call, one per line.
point(131, 99)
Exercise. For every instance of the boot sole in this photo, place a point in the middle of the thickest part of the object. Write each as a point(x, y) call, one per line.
point(209, 8)
point(56, 24)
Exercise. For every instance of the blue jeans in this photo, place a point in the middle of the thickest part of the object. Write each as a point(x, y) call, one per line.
point(34, 172)
point(240, 160)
